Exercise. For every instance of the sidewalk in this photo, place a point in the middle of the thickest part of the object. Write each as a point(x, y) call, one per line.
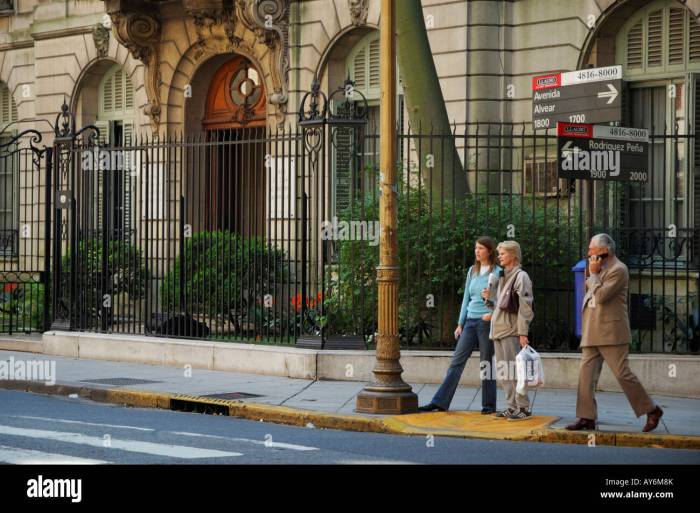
point(331, 403)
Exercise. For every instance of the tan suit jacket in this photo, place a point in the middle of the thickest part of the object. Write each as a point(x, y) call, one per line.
point(605, 316)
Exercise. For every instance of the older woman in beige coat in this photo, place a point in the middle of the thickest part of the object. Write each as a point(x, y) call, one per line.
point(509, 330)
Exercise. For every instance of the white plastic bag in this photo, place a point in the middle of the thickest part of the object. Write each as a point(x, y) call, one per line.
point(530, 371)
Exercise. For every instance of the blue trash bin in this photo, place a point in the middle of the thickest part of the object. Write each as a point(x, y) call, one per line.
point(579, 271)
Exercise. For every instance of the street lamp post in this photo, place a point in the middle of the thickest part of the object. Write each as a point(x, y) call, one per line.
point(388, 393)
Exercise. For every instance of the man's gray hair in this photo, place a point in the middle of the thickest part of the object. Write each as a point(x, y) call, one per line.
point(603, 239)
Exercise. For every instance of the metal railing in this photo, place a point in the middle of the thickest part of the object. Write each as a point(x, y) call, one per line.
point(273, 237)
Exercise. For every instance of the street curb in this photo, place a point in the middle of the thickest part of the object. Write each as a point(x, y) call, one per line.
point(618, 439)
point(419, 366)
point(308, 418)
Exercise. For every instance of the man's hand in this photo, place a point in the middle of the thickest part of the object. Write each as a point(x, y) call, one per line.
point(594, 264)
point(486, 317)
point(458, 332)
point(523, 340)
point(485, 294)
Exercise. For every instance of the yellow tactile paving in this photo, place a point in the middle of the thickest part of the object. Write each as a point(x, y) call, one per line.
point(461, 423)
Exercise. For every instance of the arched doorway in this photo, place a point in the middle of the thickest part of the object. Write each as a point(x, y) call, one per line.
point(236, 97)
point(235, 120)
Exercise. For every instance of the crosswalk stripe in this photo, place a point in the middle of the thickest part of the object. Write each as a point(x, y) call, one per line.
point(373, 462)
point(266, 443)
point(17, 456)
point(172, 451)
point(66, 421)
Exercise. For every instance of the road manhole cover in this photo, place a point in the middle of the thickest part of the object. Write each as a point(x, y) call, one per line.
point(120, 381)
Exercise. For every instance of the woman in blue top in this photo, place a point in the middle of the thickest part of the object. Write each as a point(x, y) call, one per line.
point(472, 328)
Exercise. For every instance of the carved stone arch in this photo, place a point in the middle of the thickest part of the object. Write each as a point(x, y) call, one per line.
point(90, 77)
point(10, 76)
point(110, 52)
point(256, 27)
point(341, 35)
point(194, 60)
point(599, 43)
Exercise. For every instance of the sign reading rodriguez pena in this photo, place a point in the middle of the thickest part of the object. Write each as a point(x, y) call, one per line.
point(602, 152)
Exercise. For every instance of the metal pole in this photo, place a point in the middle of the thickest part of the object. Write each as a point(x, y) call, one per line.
point(388, 393)
point(47, 275)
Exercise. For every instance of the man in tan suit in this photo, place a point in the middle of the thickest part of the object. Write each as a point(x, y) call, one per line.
point(606, 336)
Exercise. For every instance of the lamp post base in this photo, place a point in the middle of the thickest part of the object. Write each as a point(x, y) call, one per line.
point(386, 402)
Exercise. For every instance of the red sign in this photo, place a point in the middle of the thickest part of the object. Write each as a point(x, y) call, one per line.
point(546, 81)
point(574, 130)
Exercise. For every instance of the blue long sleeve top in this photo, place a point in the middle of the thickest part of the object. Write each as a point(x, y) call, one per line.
point(473, 306)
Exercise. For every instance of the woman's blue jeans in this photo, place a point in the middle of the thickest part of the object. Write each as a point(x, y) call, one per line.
point(475, 332)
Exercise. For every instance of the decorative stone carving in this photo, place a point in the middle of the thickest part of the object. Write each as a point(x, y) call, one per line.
point(358, 11)
point(207, 15)
point(140, 34)
point(270, 21)
point(267, 19)
point(220, 27)
point(100, 36)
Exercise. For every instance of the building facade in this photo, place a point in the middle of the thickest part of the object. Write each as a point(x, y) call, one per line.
point(183, 67)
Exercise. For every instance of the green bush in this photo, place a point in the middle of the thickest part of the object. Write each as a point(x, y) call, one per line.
point(125, 273)
point(21, 306)
point(435, 249)
point(224, 273)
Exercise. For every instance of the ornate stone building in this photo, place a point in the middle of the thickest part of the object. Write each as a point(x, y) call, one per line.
point(485, 53)
point(172, 67)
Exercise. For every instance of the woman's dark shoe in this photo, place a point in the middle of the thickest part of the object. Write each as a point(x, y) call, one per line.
point(582, 425)
point(487, 411)
point(431, 407)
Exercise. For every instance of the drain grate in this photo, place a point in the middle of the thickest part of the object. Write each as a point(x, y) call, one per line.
point(120, 381)
point(232, 395)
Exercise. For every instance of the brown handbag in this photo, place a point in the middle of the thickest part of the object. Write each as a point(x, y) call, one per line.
point(510, 301)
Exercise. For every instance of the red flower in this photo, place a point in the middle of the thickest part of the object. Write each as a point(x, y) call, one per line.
point(10, 287)
point(296, 302)
point(310, 302)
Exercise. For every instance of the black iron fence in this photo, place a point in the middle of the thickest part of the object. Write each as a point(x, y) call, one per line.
point(244, 235)
point(24, 219)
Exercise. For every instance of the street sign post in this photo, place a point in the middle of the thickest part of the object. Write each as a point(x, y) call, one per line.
point(599, 152)
point(586, 96)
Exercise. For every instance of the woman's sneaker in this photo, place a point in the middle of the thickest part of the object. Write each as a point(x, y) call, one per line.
point(521, 414)
point(505, 413)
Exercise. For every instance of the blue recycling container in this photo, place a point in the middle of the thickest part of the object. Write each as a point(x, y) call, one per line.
point(579, 271)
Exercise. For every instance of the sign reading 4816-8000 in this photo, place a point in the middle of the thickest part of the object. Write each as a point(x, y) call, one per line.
point(585, 96)
point(602, 152)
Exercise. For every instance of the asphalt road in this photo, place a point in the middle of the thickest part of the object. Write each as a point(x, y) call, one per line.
point(53, 429)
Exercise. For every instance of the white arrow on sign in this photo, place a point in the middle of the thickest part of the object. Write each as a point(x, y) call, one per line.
point(611, 94)
point(567, 149)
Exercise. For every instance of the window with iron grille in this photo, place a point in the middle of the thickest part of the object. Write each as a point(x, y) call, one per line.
point(9, 176)
point(349, 168)
point(659, 48)
point(541, 178)
point(116, 124)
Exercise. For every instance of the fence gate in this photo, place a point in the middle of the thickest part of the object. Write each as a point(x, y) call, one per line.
point(78, 280)
point(24, 232)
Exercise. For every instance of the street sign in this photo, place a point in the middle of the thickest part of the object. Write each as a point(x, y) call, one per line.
point(586, 96)
point(601, 152)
